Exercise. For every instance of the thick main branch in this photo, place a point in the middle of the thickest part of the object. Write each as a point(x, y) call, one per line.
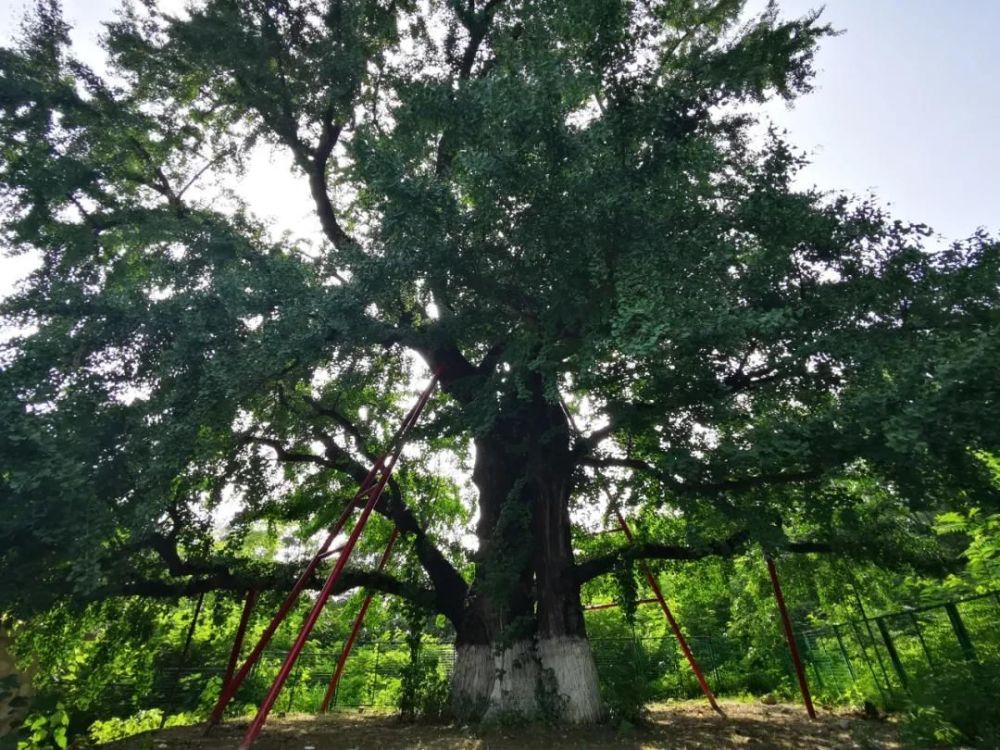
point(728, 547)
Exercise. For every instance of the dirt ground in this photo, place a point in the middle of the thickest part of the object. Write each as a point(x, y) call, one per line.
point(677, 726)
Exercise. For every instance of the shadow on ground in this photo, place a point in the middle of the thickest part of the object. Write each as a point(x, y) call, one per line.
point(677, 726)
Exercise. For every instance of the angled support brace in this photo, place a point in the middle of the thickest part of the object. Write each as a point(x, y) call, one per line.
point(230, 686)
point(658, 593)
point(384, 468)
point(371, 487)
point(793, 649)
point(241, 630)
point(331, 689)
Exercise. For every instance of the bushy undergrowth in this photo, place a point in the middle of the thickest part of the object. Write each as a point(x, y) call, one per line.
point(628, 683)
point(955, 706)
point(45, 730)
point(427, 698)
point(424, 688)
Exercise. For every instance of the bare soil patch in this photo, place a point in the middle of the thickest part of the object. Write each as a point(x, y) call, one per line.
point(673, 726)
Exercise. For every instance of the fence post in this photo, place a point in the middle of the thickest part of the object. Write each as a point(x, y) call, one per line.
point(715, 664)
point(868, 661)
point(336, 695)
point(812, 660)
point(920, 637)
point(960, 632)
point(843, 653)
point(891, 648)
point(184, 655)
point(871, 635)
point(295, 686)
point(371, 693)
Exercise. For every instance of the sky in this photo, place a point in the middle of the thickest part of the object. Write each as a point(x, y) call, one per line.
point(906, 106)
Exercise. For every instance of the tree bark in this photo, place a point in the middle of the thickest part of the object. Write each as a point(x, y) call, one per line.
point(12, 711)
point(522, 646)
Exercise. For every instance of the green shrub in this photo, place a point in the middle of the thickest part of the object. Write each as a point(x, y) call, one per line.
point(424, 688)
point(926, 726)
point(955, 706)
point(431, 697)
point(147, 720)
point(627, 682)
point(45, 731)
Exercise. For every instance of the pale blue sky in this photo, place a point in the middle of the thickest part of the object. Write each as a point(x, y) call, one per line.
point(907, 105)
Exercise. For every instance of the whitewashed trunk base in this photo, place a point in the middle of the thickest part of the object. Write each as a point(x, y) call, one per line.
point(571, 663)
point(515, 682)
point(512, 684)
point(472, 681)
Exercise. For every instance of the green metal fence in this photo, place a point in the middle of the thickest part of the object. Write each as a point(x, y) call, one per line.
point(886, 651)
point(876, 657)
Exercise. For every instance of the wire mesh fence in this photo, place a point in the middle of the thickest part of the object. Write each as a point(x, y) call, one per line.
point(876, 657)
point(888, 651)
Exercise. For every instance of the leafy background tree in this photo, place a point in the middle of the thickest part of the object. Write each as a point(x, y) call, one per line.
point(561, 209)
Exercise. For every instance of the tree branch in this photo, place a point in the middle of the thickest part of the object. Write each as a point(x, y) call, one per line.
point(342, 421)
point(728, 547)
point(477, 24)
point(217, 575)
point(684, 488)
point(286, 456)
point(590, 569)
point(586, 444)
point(450, 588)
point(317, 169)
point(239, 583)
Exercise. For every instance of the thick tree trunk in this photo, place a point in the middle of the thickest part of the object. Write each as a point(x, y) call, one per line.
point(522, 648)
point(18, 686)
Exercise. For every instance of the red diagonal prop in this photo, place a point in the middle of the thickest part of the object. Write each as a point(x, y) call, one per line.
point(369, 488)
point(241, 630)
point(229, 688)
point(786, 623)
point(355, 629)
point(653, 584)
point(374, 494)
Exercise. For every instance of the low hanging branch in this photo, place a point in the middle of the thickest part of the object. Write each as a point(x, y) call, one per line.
point(738, 484)
point(189, 576)
point(241, 582)
point(450, 588)
point(728, 547)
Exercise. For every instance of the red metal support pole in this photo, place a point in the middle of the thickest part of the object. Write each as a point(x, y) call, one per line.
point(345, 652)
point(230, 687)
point(366, 488)
point(658, 593)
point(786, 623)
point(241, 630)
point(310, 622)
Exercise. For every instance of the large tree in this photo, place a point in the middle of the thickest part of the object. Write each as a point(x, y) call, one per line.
point(564, 207)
